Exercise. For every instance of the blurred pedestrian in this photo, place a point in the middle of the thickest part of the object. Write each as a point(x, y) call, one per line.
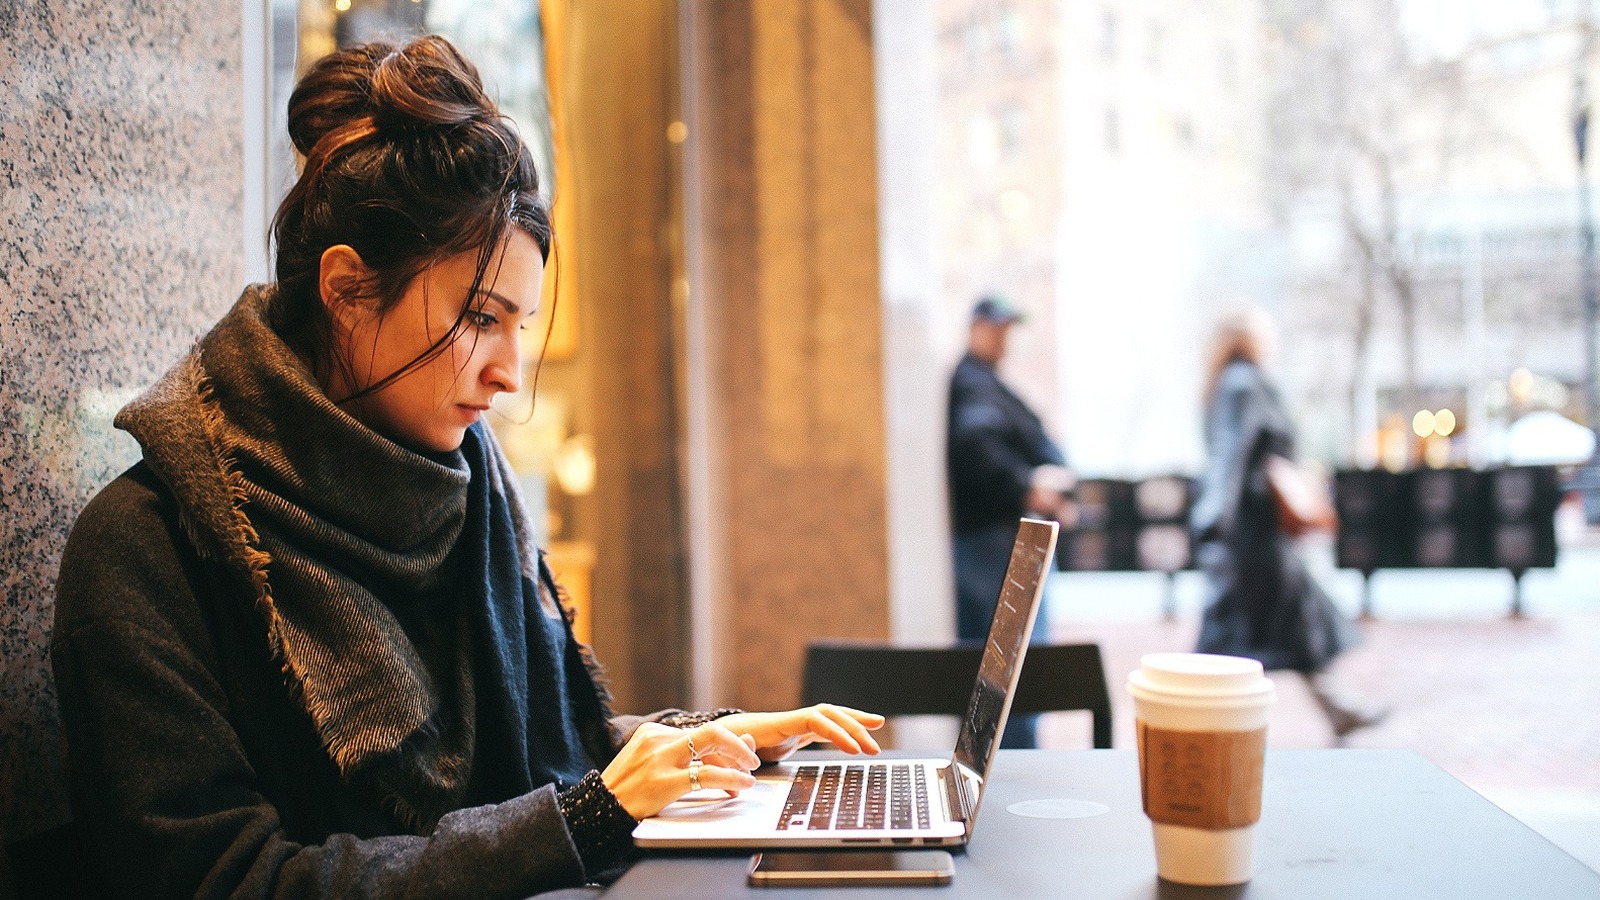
point(1001, 466)
point(1261, 601)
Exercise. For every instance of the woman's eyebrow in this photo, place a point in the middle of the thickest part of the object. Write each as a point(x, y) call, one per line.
point(510, 307)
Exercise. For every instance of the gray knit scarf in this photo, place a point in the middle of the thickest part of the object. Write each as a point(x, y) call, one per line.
point(313, 516)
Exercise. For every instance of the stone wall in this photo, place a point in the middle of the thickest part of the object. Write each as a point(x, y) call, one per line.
point(120, 241)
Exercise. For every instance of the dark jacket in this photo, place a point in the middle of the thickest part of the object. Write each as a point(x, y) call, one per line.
point(197, 773)
point(1261, 602)
point(994, 443)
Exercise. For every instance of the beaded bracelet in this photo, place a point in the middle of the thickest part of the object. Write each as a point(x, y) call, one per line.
point(601, 829)
point(696, 719)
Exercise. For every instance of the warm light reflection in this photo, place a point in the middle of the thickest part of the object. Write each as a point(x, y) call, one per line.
point(1393, 448)
point(574, 465)
point(1436, 452)
point(341, 5)
point(1422, 423)
point(1444, 422)
point(677, 132)
point(1520, 385)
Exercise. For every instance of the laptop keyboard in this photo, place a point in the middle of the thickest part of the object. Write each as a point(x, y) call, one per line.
point(857, 796)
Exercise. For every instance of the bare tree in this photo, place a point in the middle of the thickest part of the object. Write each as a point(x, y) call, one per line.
point(1355, 120)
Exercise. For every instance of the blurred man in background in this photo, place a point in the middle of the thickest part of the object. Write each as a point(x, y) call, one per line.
point(1001, 466)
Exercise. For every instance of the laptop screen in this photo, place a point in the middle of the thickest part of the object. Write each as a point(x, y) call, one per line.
point(1031, 558)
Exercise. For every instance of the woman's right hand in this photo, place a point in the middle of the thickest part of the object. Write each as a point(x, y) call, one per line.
point(653, 768)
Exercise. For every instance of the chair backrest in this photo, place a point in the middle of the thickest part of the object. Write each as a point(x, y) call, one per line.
point(912, 681)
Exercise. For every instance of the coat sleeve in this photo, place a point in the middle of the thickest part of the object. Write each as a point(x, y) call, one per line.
point(1234, 429)
point(163, 788)
point(624, 726)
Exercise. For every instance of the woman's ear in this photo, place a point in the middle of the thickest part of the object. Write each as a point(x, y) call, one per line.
point(339, 281)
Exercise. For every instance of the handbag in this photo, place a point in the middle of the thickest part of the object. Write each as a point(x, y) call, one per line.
point(1300, 498)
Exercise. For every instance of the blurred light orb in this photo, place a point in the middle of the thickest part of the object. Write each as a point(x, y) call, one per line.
point(574, 465)
point(1520, 385)
point(1422, 423)
point(1393, 450)
point(677, 132)
point(1444, 422)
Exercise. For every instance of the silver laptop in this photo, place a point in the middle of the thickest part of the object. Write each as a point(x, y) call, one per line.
point(862, 801)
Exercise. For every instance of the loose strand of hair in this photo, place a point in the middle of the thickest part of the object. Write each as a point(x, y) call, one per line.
point(549, 329)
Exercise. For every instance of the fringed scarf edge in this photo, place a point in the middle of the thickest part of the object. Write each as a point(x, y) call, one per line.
point(253, 564)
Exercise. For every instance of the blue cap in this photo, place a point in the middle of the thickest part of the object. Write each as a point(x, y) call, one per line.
point(994, 308)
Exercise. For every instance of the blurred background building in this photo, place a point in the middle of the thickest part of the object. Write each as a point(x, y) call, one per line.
point(772, 220)
point(1100, 164)
point(1393, 180)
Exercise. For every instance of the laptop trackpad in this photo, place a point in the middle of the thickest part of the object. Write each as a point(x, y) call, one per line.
point(716, 806)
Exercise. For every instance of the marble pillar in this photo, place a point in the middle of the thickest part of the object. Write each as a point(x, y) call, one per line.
point(120, 241)
point(621, 84)
point(785, 312)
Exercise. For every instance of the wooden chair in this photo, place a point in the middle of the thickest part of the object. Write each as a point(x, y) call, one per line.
point(914, 681)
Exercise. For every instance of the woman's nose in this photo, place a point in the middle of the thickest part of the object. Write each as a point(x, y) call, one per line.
point(504, 369)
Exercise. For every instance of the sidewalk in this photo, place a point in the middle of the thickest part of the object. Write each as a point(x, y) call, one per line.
point(1511, 707)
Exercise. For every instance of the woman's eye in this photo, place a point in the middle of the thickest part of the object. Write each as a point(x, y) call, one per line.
point(480, 319)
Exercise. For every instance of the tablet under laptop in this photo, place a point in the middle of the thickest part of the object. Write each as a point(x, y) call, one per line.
point(863, 801)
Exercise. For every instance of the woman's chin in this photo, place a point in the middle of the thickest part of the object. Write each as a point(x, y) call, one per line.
point(429, 444)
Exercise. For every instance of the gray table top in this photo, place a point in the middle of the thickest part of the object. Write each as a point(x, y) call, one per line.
point(1335, 823)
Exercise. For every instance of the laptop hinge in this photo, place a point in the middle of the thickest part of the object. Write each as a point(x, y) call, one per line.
point(955, 793)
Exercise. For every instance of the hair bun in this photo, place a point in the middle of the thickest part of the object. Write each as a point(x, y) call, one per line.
point(427, 84)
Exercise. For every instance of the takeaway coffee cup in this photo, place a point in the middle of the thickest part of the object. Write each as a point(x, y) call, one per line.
point(1202, 726)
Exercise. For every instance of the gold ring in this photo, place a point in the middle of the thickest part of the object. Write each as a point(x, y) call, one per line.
point(694, 774)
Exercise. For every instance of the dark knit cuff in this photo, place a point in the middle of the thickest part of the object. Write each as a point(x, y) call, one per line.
point(696, 719)
point(600, 827)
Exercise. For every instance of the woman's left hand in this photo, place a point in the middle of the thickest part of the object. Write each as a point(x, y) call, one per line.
point(778, 734)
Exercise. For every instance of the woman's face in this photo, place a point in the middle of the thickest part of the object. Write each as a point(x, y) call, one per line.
point(431, 407)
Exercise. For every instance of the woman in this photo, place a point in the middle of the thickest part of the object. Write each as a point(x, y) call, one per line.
point(305, 647)
point(1261, 601)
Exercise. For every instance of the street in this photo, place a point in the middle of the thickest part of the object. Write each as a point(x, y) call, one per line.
point(1509, 706)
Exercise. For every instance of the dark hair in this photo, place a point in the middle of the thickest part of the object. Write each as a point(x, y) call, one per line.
point(408, 162)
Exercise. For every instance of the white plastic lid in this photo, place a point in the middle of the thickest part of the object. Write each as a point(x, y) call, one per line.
point(1200, 675)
